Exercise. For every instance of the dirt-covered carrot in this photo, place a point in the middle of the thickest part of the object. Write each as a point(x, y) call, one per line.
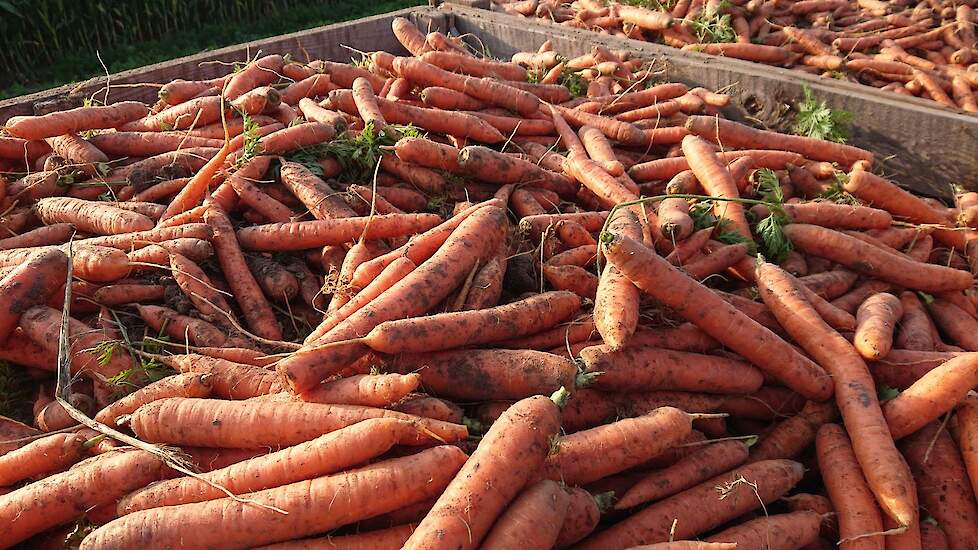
point(914, 332)
point(326, 454)
point(534, 518)
point(462, 329)
point(884, 470)
point(41, 457)
point(656, 277)
point(91, 217)
point(876, 320)
point(507, 457)
point(709, 461)
point(717, 182)
point(227, 379)
point(313, 192)
point(699, 509)
point(474, 66)
point(28, 285)
point(935, 393)
point(488, 165)
point(119, 294)
point(789, 438)
point(178, 385)
point(370, 390)
point(775, 532)
point(870, 260)
point(42, 324)
point(942, 484)
point(198, 287)
point(377, 539)
point(955, 322)
point(75, 120)
point(311, 234)
point(351, 496)
point(181, 327)
point(616, 303)
point(66, 496)
point(512, 374)
point(967, 437)
point(247, 424)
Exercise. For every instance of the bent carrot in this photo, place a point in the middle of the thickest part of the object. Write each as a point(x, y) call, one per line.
point(876, 320)
point(935, 393)
point(28, 285)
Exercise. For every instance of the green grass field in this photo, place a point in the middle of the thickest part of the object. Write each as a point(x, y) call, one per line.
point(85, 63)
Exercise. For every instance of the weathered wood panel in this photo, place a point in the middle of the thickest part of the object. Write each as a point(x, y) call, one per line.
point(920, 145)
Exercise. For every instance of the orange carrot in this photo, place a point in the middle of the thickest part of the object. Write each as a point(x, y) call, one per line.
point(859, 516)
point(781, 531)
point(876, 320)
point(487, 165)
point(474, 66)
point(369, 390)
point(73, 121)
point(409, 36)
point(28, 285)
point(534, 518)
point(42, 324)
point(41, 457)
point(955, 323)
point(91, 217)
point(260, 72)
point(313, 192)
point(935, 393)
point(303, 235)
point(227, 380)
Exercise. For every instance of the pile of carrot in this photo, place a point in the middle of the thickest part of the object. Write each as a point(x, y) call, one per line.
point(418, 302)
point(924, 48)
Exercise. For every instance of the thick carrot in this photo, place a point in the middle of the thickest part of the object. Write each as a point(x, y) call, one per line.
point(935, 393)
point(608, 191)
point(716, 181)
point(870, 260)
point(260, 72)
point(317, 195)
point(42, 324)
point(119, 294)
point(722, 321)
point(616, 302)
point(736, 135)
point(181, 327)
point(487, 165)
point(915, 325)
point(423, 179)
point(876, 321)
point(178, 385)
point(312, 86)
point(28, 285)
point(227, 380)
point(41, 457)
point(967, 438)
point(370, 390)
point(326, 454)
point(351, 496)
point(956, 323)
point(449, 100)
point(942, 483)
point(429, 284)
point(643, 368)
point(428, 153)
point(507, 457)
point(789, 438)
point(534, 518)
point(252, 424)
point(257, 311)
point(431, 407)
point(409, 36)
point(572, 278)
point(599, 149)
point(882, 466)
point(91, 217)
point(469, 328)
point(63, 497)
point(776, 532)
point(860, 523)
point(312, 234)
point(366, 102)
point(74, 120)
point(78, 152)
point(698, 509)
point(704, 463)
point(314, 112)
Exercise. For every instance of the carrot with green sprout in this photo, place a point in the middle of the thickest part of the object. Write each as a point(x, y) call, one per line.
point(240, 524)
point(507, 457)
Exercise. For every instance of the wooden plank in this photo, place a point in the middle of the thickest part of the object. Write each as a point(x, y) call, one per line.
point(326, 42)
point(920, 145)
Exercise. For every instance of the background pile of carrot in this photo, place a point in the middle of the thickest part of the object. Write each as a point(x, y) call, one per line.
point(418, 302)
point(922, 48)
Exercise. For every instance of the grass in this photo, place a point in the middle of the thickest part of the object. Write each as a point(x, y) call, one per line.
point(85, 64)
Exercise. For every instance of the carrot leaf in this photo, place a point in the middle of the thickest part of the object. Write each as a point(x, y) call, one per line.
point(885, 393)
point(251, 146)
point(573, 81)
point(713, 26)
point(816, 120)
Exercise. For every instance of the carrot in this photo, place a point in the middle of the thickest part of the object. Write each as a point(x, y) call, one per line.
point(608, 190)
point(600, 150)
point(777, 532)
point(508, 456)
point(789, 438)
point(41, 457)
point(967, 437)
point(295, 137)
point(534, 518)
point(42, 324)
point(198, 287)
point(915, 325)
point(369, 390)
point(688, 545)
point(343, 74)
point(324, 455)
point(720, 258)
point(469, 328)
point(428, 153)
point(140, 239)
point(312, 86)
point(73, 121)
point(379, 539)
point(196, 188)
point(425, 180)
point(668, 167)
point(474, 66)
point(246, 424)
point(870, 260)
point(260, 72)
point(698, 509)
point(462, 375)
point(28, 285)
point(583, 513)
point(430, 407)
point(488, 90)
point(232, 524)
point(935, 393)
point(303, 235)
point(449, 122)
point(674, 220)
point(850, 301)
point(428, 285)
point(449, 100)
point(227, 380)
point(409, 36)
point(197, 250)
point(736, 135)
point(274, 280)
point(119, 294)
point(91, 217)
point(702, 464)
point(860, 523)
point(717, 181)
point(643, 368)
point(616, 305)
point(932, 536)
point(885, 472)
point(942, 483)
point(708, 311)
point(487, 165)
point(314, 112)
point(366, 102)
point(572, 278)
point(178, 385)
point(313, 192)
point(955, 323)
point(876, 320)
point(80, 153)
point(256, 309)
